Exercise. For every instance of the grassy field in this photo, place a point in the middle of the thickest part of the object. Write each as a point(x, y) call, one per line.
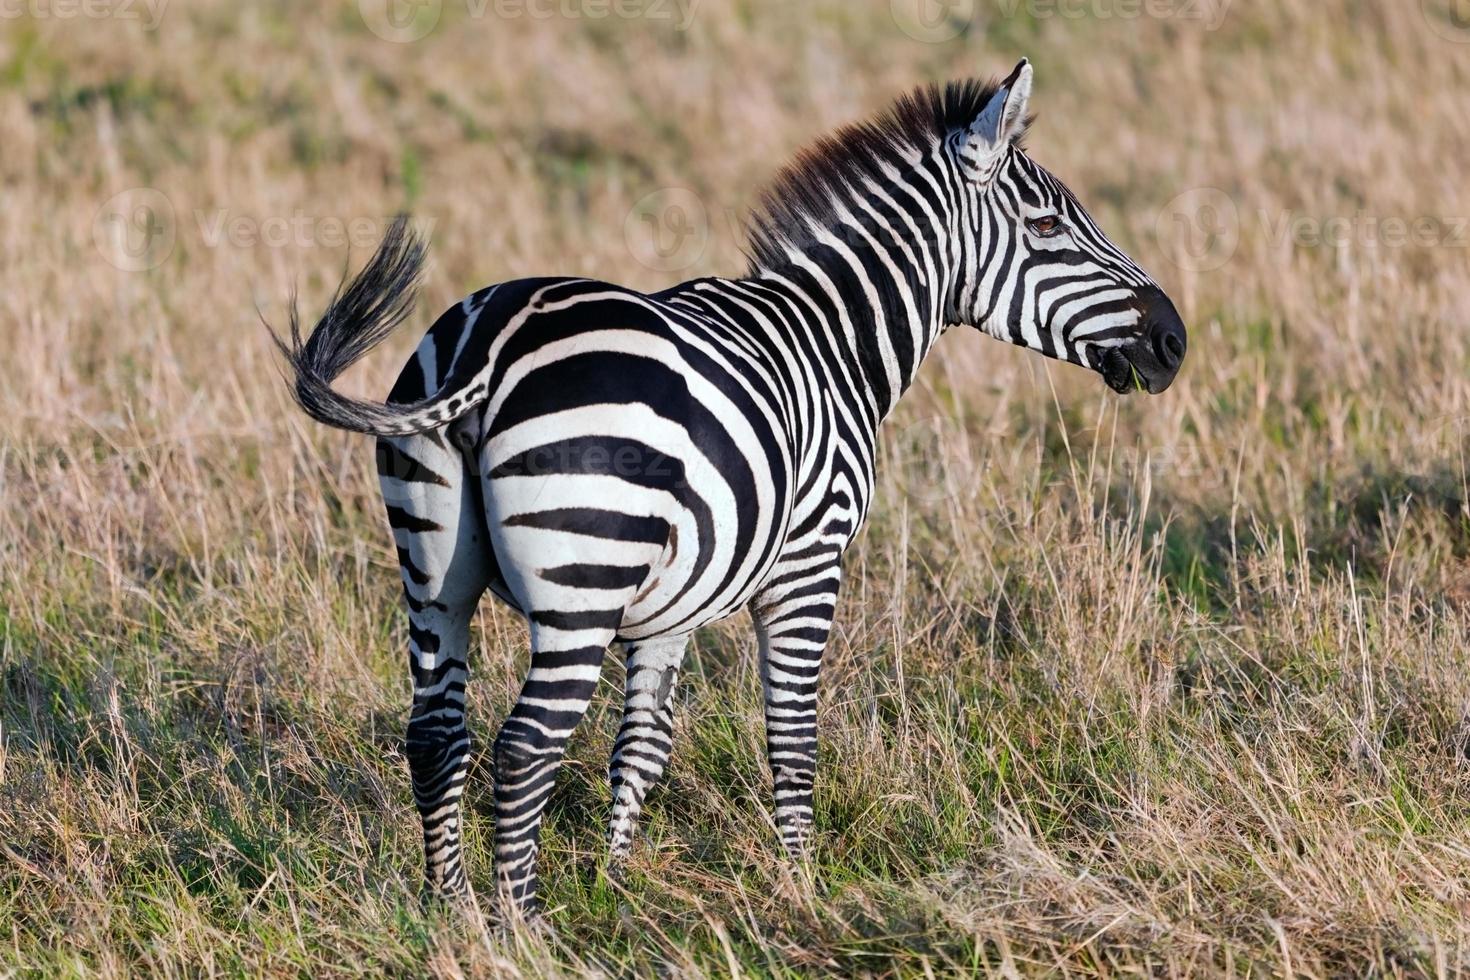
point(1177, 685)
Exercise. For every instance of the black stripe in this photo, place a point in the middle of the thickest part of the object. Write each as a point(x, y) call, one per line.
point(405, 521)
point(415, 574)
point(394, 462)
point(593, 522)
point(588, 620)
point(583, 576)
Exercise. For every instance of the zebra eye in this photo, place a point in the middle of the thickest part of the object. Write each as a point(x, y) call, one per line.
point(1045, 226)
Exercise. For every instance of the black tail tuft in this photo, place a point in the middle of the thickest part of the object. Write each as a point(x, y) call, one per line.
point(358, 319)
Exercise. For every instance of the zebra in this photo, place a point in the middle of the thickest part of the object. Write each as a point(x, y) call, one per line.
point(624, 468)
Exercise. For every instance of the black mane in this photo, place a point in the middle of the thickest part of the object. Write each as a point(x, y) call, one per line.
point(802, 189)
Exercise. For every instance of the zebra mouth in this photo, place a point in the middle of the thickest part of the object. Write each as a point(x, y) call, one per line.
point(1133, 367)
point(1118, 372)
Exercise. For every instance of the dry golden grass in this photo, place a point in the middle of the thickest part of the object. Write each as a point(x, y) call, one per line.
point(1173, 685)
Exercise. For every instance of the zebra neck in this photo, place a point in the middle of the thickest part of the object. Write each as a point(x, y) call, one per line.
point(873, 308)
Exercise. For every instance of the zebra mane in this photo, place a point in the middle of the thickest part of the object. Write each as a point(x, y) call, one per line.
point(802, 191)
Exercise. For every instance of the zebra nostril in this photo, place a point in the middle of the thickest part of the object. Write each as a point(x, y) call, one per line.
point(1175, 346)
point(1169, 344)
point(1165, 331)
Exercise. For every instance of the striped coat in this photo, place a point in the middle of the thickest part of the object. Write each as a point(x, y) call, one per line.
point(624, 468)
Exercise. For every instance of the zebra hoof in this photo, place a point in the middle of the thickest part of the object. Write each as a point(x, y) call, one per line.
point(432, 899)
point(616, 869)
point(508, 916)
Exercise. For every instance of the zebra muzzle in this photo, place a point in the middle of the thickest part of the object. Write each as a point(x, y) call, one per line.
point(1149, 361)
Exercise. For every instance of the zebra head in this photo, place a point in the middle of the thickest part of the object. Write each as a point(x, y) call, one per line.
point(1037, 270)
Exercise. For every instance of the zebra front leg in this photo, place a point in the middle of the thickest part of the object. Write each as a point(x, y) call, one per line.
point(566, 660)
point(642, 748)
point(792, 626)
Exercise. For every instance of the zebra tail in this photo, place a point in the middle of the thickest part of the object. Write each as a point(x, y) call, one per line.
point(359, 318)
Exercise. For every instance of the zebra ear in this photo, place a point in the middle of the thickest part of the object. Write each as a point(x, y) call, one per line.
point(1002, 120)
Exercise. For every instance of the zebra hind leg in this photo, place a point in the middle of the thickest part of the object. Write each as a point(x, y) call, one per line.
point(567, 650)
point(443, 554)
point(437, 743)
point(645, 738)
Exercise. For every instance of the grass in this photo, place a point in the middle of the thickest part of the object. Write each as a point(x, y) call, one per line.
point(1172, 685)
